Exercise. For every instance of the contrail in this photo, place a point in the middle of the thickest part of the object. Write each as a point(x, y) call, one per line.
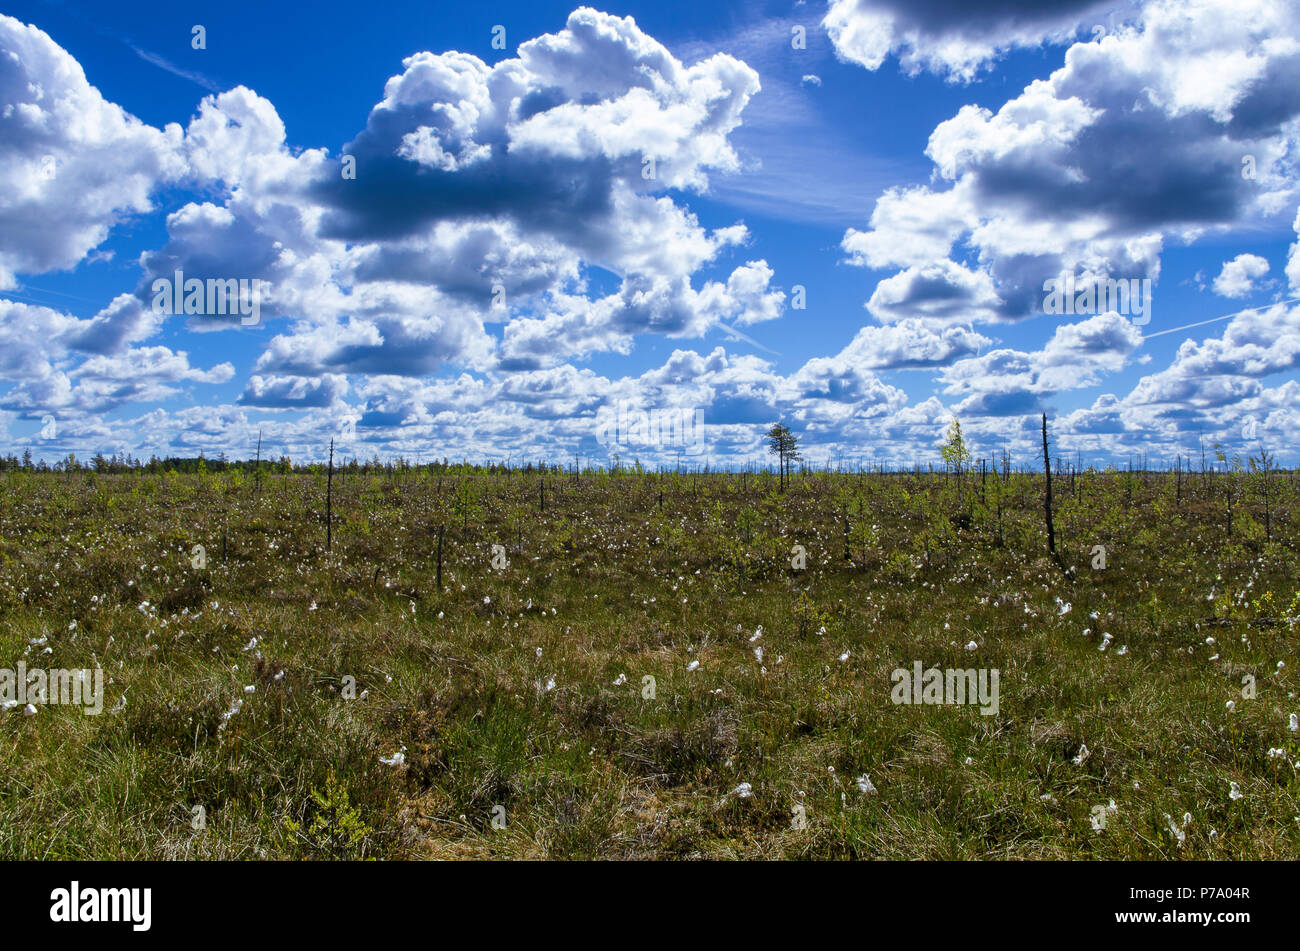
point(163, 63)
point(42, 290)
point(1202, 323)
point(737, 335)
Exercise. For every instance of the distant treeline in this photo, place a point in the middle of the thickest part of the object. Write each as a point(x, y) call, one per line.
point(119, 464)
point(126, 464)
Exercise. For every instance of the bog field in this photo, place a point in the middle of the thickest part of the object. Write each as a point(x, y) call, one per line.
point(652, 665)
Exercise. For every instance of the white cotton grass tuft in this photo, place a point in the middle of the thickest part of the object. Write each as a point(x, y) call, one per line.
point(1234, 792)
point(1294, 726)
point(397, 759)
point(620, 680)
point(1082, 755)
point(743, 791)
point(865, 786)
point(693, 665)
point(1179, 834)
point(234, 709)
point(972, 646)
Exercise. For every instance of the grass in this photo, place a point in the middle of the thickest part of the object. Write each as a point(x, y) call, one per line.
point(520, 694)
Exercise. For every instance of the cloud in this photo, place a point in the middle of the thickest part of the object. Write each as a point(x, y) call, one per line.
point(942, 291)
point(955, 38)
point(910, 345)
point(37, 345)
point(482, 194)
point(909, 227)
point(285, 392)
point(1293, 259)
point(1136, 140)
point(509, 220)
point(103, 383)
point(1006, 382)
point(122, 322)
point(1229, 368)
point(558, 141)
point(72, 164)
point(1238, 277)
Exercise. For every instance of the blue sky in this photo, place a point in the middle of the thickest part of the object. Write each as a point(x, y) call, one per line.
point(913, 172)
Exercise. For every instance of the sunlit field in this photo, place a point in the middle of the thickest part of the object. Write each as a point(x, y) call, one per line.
point(651, 665)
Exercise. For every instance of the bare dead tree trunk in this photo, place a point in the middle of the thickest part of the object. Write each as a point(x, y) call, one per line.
point(1047, 502)
point(329, 500)
point(848, 556)
point(1268, 515)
